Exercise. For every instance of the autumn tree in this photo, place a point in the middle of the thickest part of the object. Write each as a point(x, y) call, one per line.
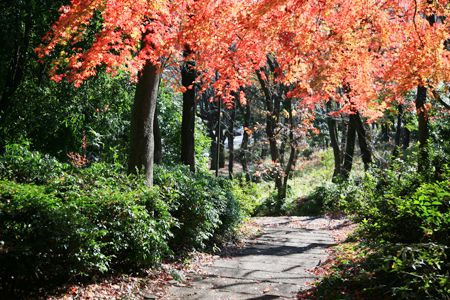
point(379, 49)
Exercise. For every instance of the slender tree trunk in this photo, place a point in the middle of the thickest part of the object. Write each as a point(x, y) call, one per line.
point(18, 61)
point(289, 167)
point(222, 149)
point(292, 154)
point(158, 141)
point(349, 149)
point(282, 149)
point(245, 139)
point(214, 155)
point(384, 133)
point(270, 131)
point(212, 117)
point(16, 68)
point(344, 129)
point(405, 141)
point(332, 127)
point(362, 140)
point(271, 119)
point(231, 141)
point(188, 75)
point(217, 160)
point(217, 144)
point(398, 131)
point(422, 115)
point(142, 120)
point(271, 122)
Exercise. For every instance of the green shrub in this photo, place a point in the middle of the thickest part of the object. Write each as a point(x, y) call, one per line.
point(430, 205)
point(21, 164)
point(247, 194)
point(203, 205)
point(52, 235)
point(307, 152)
point(54, 117)
point(312, 204)
point(404, 228)
point(421, 270)
point(100, 219)
point(44, 238)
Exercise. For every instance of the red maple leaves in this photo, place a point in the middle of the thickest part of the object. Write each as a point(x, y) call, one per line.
point(380, 49)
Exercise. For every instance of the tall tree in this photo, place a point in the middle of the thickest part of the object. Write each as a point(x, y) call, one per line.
point(134, 36)
point(142, 121)
point(230, 139)
point(245, 139)
point(366, 152)
point(349, 148)
point(188, 76)
point(158, 139)
point(398, 130)
point(334, 140)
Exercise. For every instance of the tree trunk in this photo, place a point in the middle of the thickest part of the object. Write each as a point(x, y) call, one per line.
point(158, 141)
point(422, 115)
point(332, 127)
point(271, 122)
point(217, 148)
point(344, 129)
point(212, 117)
point(271, 119)
point(405, 141)
point(142, 120)
point(398, 131)
point(292, 155)
point(188, 75)
point(18, 61)
point(349, 149)
point(245, 139)
point(222, 149)
point(231, 141)
point(384, 133)
point(214, 155)
point(362, 140)
point(16, 67)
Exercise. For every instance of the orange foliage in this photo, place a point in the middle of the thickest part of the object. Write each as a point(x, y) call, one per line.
point(364, 54)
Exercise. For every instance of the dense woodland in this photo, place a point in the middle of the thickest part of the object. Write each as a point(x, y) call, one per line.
point(133, 132)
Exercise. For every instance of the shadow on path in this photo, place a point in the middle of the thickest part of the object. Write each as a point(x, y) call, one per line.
point(273, 265)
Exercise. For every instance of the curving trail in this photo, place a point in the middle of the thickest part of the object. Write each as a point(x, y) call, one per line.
point(272, 265)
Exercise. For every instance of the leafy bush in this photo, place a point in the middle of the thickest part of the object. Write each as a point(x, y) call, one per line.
point(21, 164)
point(421, 270)
point(247, 194)
point(98, 219)
point(313, 203)
point(204, 206)
point(404, 230)
point(49, 235)
point(307, 152)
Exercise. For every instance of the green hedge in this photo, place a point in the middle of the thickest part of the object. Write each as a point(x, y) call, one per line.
point(47, 238)
point(59, 222)
point(404, 230)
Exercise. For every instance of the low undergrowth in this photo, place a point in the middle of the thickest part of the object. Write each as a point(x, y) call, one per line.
point(60, 223)
point(402, 249)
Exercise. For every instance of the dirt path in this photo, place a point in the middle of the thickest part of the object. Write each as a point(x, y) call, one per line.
point(272, 265)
